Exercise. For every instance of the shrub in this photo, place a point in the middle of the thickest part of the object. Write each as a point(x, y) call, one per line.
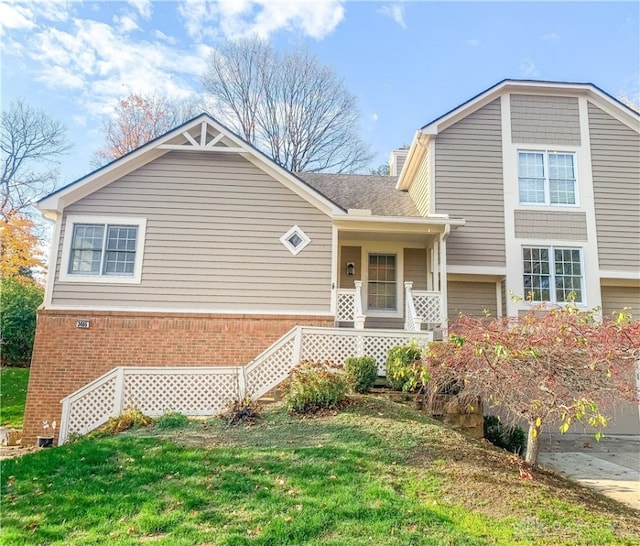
point(128, 419)
point(314, 386)
point(361, 371)
point(18, 305)
point(403, 369)
point(245, 411)
point(511, 438)
point(172, 420)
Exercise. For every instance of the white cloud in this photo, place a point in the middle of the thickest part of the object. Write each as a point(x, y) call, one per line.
point(100, 64)
point(239, 18)
point(551, 37)
point(143, 7)
point(126, 23)
point(528, 69)
point(472, 42)
point(395, 12)
point(374, 117)
point(163, 37)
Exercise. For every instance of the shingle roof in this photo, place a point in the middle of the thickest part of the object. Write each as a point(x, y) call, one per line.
point(363, 191)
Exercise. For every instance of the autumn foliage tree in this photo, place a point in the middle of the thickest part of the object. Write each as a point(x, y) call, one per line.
point(139, 119)
point(20, 292)
point(553, 366)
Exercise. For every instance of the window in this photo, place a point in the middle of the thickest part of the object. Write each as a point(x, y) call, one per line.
point(381, 286)
point(103, 249)
point(295, 240)
point(552, 274)
point(546, 178)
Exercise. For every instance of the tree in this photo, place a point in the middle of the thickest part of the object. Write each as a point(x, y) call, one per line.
point(19, 257)
point(381, 170)
point(19, 302)
point(555, 365)
point(289, 105)
point(27, 136)
point(138, 119)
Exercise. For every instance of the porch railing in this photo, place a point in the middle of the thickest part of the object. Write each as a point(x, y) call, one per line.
point(349, 306)
point(200, 391)
point(422, 307)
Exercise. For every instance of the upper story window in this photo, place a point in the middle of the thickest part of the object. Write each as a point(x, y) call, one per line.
point(103, 249)
point(547, 178)
point(553, 274)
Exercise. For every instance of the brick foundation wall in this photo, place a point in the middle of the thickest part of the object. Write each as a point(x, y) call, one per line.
point(66, 358)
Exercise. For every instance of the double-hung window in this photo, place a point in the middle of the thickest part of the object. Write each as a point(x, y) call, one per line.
point(553, 274)
point(382, 285)
point(547, 178)
point(103, 249)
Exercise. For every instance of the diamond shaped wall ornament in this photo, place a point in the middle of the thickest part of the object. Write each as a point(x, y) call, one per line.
point(295, 240)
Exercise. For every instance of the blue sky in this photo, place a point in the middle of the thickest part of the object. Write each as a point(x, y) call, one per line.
point(407, 62)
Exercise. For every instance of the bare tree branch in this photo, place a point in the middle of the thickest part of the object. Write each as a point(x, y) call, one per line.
point(288, 105)
point(28, 136)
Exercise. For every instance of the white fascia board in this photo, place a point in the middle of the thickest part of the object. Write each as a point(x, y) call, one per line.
point(154, 149)
point(625, 115)
point(415, 156)
point(187, 310)
point(114, 170)
point(482, 271)
point(395, 224)
point(297, 186)
point(611, 274)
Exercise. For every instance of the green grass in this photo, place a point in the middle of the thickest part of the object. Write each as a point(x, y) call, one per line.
point(13, 395)
point(375, 473)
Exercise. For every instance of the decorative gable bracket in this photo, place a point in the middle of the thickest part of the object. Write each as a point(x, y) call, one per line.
point(201, 142)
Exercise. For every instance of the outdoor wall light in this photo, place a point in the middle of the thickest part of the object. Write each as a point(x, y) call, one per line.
point(351, 269)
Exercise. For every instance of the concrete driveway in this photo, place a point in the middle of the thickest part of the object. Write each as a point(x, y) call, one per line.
point(611, 466)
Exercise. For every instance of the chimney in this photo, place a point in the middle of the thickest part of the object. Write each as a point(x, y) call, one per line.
point(396, 161)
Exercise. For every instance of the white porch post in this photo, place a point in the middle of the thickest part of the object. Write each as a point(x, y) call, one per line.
point(358, 315)
point(443, 277)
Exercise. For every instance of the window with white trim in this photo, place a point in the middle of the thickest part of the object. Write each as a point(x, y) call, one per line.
point(553, 274)
point(103, 249)
point(295, 240)
point(547, 178)
point(382, 285)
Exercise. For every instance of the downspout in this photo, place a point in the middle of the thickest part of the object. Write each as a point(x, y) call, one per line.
point(443, 275)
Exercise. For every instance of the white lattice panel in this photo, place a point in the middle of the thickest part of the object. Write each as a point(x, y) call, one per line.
point(93, 409)
point(183, 392)
point(271, 370)
point(346, 305)
point(378, 347)
point(428, 307)
point(332, 347)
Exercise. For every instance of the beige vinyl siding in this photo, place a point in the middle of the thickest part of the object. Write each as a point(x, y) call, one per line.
point(616, 298)
point(471, 298)
point(564, 226)
point(537, 119)
point(350, 254)
point(615, 156)
point(469, 183)
point(415, 267)
point(212, 239)
point(419, 190)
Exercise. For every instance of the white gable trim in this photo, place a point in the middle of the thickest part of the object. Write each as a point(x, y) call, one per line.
point(625, 115)
point(181, 138)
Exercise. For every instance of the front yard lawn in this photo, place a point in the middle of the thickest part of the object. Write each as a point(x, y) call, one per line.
point(13, 395)
point(375, 473)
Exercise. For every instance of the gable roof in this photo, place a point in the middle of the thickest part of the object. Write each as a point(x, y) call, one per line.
point(600, 97)
point(606, 102)
point(203, 134)
point(360, 191)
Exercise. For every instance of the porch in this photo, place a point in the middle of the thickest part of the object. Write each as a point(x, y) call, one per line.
point(392, 279)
